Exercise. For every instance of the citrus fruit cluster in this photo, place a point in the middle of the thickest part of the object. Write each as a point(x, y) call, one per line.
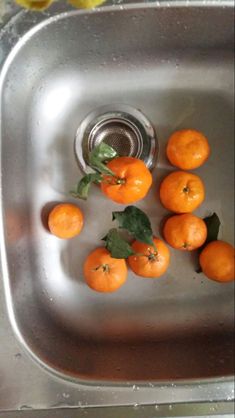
point(126, 180)
point(183, 192)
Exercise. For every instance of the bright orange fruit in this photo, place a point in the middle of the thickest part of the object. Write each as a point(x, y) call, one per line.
point(217, 261)
point(65, 220)
point(182, 192)
point(149, 261)
point(131, 182)
point(104, 273)
point(185, 232)
point(187, 149)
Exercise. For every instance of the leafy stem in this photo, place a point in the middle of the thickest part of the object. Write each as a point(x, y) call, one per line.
point(116, 245)
point(213, 225)
point(136, 223)
point(81, 191)
point(98, 158)
point(101, 155)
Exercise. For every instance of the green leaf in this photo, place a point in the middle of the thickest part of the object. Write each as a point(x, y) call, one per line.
point(97, 157)
point(213, 225)
point(116, 245)
point(101, 154)
point(83, 186)
point(136, 222)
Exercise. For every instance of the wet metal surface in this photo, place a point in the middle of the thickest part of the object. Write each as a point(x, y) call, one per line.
point(122, 127)
point(177, 69)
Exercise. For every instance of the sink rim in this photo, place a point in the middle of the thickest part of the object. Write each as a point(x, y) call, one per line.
point(10, 54)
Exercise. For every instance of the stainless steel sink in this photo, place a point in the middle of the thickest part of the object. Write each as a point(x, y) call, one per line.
point(175, 65)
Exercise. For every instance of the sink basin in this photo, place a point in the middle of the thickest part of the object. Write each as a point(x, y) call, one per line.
point(174, 64)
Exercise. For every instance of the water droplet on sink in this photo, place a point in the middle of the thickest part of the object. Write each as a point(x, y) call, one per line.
point(135, 388)
point(18, 355)
point(25, 407)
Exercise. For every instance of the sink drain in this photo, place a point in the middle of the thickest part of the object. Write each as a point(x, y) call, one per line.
point(124, 128)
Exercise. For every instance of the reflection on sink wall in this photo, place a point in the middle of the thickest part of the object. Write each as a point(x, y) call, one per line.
point(165, 63)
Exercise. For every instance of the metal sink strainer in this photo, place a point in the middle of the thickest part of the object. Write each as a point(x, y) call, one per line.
point(126, 129)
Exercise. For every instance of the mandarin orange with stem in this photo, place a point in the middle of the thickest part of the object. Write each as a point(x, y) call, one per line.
point(104, 273)
point(130, 183)
point(185, 232)
point(150, 261)
point(182, 192)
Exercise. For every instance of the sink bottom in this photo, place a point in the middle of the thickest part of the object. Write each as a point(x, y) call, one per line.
point(178, 70)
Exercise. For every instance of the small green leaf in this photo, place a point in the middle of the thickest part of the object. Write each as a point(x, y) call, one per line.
point(83, 186)
point(116, 245)
point(213, 225)
point(101, 154)
point(136, 222)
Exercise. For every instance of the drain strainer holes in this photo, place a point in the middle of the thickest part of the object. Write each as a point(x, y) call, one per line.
point(124, 128)
point(119, 134)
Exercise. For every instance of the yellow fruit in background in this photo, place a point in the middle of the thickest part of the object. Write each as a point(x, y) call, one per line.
point(34, 4)
point(43, 4)
point(86, 4)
